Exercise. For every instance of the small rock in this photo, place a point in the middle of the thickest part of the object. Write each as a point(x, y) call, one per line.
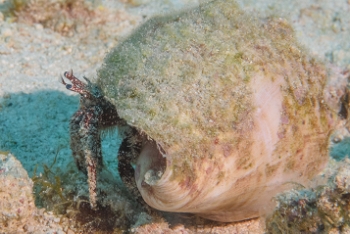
point(341, 55)
point(39, 27)
point(6, 32)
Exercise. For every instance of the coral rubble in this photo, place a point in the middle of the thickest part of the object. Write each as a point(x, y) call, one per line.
point(323, 209)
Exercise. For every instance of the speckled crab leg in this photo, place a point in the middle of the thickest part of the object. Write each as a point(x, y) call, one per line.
point(95, 114)
point(90, 143)
point(85, 137)
point(128, 151)
point(126, 154)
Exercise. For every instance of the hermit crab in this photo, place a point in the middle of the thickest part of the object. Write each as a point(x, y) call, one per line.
point(219, 112)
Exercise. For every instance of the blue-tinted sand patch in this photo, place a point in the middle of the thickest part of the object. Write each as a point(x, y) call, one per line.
point(341, 150)
point(34, 127)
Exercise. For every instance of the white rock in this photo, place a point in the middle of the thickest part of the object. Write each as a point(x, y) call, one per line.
point(6, 32)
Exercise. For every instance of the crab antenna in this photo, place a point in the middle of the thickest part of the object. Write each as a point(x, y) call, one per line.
point(87, 80)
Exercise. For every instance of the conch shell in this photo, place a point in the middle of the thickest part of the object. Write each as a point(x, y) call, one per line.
point(234, 105)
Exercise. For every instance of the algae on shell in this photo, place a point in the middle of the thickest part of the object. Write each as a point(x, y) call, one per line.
point(236, 104)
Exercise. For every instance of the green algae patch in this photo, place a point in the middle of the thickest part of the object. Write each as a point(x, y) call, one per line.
point(185, 78)
point(213, 84)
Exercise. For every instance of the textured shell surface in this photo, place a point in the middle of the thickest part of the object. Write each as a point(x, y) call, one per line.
point(235, 104)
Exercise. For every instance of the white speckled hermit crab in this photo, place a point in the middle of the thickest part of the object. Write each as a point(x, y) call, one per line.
point(219, 111)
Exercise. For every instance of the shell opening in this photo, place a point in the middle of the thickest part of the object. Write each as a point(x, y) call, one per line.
point(150, 165)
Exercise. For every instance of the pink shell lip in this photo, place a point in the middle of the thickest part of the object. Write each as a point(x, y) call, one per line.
point(225, 188)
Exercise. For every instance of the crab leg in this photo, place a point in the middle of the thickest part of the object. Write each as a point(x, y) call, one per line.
point(86, 146)
point(127, 152)
point(95, 113)
point(125, 157)
point(85, 136)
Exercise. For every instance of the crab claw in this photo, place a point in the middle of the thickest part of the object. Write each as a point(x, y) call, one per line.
point(77, 85)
